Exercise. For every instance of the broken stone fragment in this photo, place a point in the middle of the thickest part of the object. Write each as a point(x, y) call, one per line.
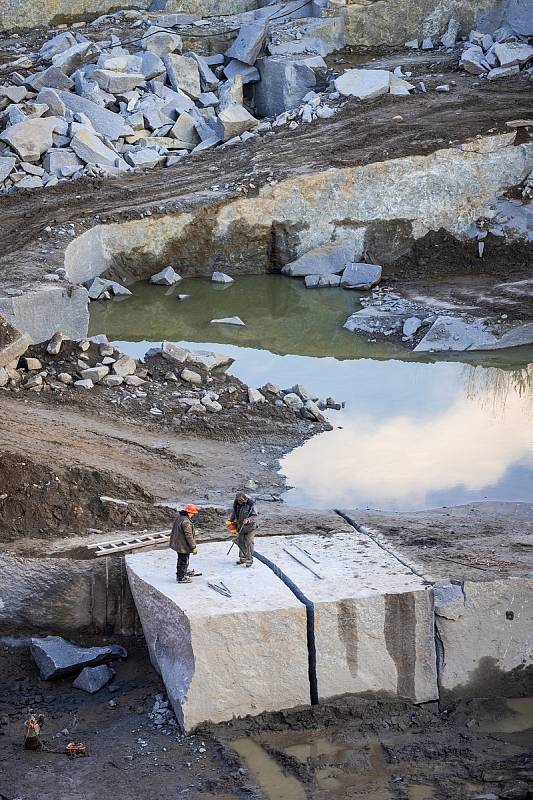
point(183, 74)
point(161, 42)
point(92, 679)
point(361, 276)
point(51, 78)
point(31, 364)
point(15, 94)
point(118, 82)
point(249, 43)
point(235, 121)
point(56, 106)
point(364, 84)
point(293, 401)
point(473, 61)
point(221, 277)
point(105, 122)
point(411, 325)
point(56, 657)
point(58, 159)
point(95, 374)
point(172, 352)
point(92, 150)
point(76, 56)
point(227, 321)
point(327, 259)
point(124, 366)
point(313, 411)
point(255, 396)
point(84, 383)
point(284, 82)
point(502, 72)
point(208, 360)
point(167, 277)
point(511, 54)
point(31, 138)
point(7, 165)
point(112, 380)
point(13, 344)
point(184, 130)
point(192, 377)
point(451, 333)
point(146, 158)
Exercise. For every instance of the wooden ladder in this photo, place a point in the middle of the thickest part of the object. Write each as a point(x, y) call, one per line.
point(129, 543)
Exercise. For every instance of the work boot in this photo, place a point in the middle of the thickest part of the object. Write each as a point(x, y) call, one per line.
point(248, 563)
point(240, 563)
point(186, 579)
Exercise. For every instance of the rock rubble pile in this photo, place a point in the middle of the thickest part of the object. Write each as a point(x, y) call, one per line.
point(102, 107)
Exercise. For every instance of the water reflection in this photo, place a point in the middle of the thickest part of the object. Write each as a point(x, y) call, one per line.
point(415, 433)
point(479, 446)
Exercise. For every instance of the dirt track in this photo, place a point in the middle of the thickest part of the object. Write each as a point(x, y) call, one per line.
point(362, 133)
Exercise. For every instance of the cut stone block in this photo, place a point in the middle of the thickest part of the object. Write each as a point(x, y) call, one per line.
point(486, 637)
point(325, 260)
point(244, 71)
point(118, 82)
point(56, 657)
point(373, 617)
point(215, 653)
point(248, 44)
point(364, 84)
point(284, 83)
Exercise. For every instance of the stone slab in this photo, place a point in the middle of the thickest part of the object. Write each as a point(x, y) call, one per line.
point(487, 640)
point(221, 657)
point(56, 657)
point(374, 627)
point(328, 259)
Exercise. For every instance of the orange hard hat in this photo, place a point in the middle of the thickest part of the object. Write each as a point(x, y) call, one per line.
point(191, 509)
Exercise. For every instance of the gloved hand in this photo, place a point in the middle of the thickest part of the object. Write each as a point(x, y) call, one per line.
point(195, 552)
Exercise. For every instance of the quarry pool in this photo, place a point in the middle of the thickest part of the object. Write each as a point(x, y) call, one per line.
point(415, 433)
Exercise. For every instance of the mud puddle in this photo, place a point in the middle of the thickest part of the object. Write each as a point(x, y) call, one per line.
point(519, 719)
point(415, 433)
point(330, 770)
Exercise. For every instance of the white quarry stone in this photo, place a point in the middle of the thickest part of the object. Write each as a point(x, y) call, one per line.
point(92, 150)
point(52, 78)
point(190, 376)
point(57, 159)
point(325, 260)
point(510, 54)
point(7, 165)
point(227, 321)
point(452, 333)
point(117, 82)
point(184, 130)
point(411, 325)
point(146, 158)
point(293, 401)
point(95, 374)
point(235, 121)
point(172, 352)
point(167, 277)
point(86, 383)
point(183, 74)
point(363, 83)
point(103, 121)
point(255, 396)
point(486, 636)
point(221, 277)
point(322, 281)
point(502, 72)
point(373, 617)
point(32, 138)
point(215, 654)
point(124, 366)
point(473, 61)
point(161, 42)
point(208, 360)
point(361, 276)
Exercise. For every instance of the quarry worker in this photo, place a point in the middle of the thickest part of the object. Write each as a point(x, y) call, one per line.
point(183, 541)
point(244, 515)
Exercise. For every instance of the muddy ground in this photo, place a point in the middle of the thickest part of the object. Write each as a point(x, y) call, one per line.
point(360, 134)
point(351, 748)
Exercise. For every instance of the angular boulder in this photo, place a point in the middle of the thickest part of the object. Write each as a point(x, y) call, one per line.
point(55, 657)
point(249, 43)
point(183, 74)
point(221, 277)
point(284, 82)
point(7, 165)
point(92, 679)
point(511, 54)
point(92, 150)
point(452, 333)
point(361, 276)
point(106, 122)
point(235, 121)
point(364, 84)
point(32, 138)
point(208, 360)
point(13, 343)
point(167, 277)
point(117, 82)
point(203, 643)
point(327, 259)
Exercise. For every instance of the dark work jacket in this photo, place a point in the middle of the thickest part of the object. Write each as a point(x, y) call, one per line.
point(182, 537)
point(246, 511)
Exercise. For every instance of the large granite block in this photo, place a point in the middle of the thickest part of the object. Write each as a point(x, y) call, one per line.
point(221, 657)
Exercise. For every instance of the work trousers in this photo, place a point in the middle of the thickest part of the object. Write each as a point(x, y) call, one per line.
point(245, 543)
point(182, 566)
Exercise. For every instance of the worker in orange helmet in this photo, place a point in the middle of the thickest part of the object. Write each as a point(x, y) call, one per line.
point(183, 540)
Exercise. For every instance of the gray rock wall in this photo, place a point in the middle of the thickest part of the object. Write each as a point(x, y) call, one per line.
point(393, 22)
point(65, 597)
point(30, 14)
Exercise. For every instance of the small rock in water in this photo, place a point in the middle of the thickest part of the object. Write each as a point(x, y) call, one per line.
point(221, 277)
point(167, 277)
point(227, 321)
